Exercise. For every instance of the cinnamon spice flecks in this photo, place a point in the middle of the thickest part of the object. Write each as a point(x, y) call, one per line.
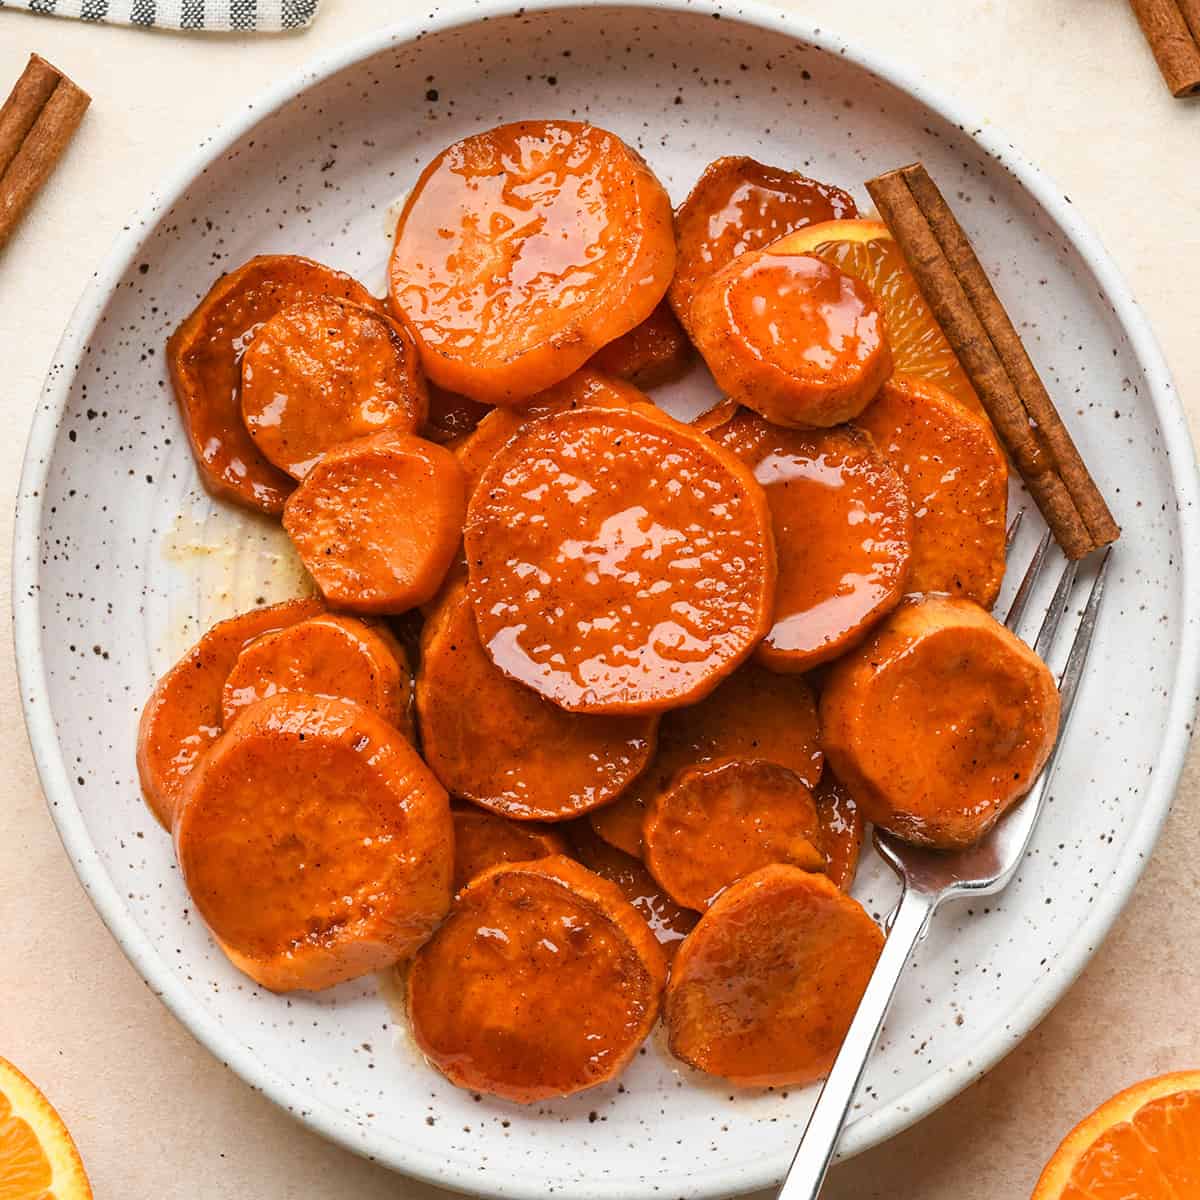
point(1172, 27)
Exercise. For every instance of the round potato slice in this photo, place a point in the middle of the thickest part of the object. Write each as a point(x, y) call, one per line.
point(483, 840)
point(495, 742)
point(543, 981)
point(619, 562)
point(323, 372)
point(653, 353)
point(764, 989)
point(204, 356)
point(792, 337)
point(957, 481)
point(376, 522)
point(939, 721)
point(522, 250)
point(182, 718)
point(718, 823)
point(842, 829)
point(315, 843)
point(843, 536)
point(754, 715)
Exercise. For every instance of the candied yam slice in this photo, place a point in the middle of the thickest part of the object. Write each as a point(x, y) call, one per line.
point(182, 718)
point(323, 372)
point(792, 337)
point(524, 249)
point(842, 828)
point(495, 742)
point(739, 205)
point(483, 840)
point(939, 721)
point(653, 353)
point(326, 655)
point(619, 562)
point(377, 521)
point(315, 843)
point(450, 416)
point(957, 482)
point(205, 355)
point(764, 989)
point(843, 535)
point(543, 981)
point(715, 824)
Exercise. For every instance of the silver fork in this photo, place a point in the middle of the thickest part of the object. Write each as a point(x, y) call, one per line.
point(930, 877)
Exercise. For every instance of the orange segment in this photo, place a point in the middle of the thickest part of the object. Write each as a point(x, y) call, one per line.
point(1143, 1143)
point(38, 1159)
point(866, 250)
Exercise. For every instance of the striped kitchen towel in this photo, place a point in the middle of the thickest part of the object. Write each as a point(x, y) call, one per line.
point(217, 16)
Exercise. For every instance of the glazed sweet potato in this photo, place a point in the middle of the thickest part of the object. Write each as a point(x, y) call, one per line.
point(483, 840)
point(315, 843)
point(494, 741)
point(764, 989)
point(717, 823)
point(653, 353)
point(842, 829)
point(323, 372)
point(792, 337)
point(754, 714)
point(377, 521)
point(450, 416)
point(619, 562)
point(739, 205)
point(939, 721)
point(543, 981)
point(522, 250)
point(957, 481)
point(843, 535)
point(204, 356)
point(182, 718)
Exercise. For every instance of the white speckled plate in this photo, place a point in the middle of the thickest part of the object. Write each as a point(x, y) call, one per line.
point(121, 560)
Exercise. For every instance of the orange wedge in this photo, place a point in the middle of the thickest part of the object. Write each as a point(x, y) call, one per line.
point(866, 250)
point(38, 1159)
point(1143, 1144)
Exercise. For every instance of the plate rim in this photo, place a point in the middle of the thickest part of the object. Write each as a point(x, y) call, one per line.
point(866, 1131)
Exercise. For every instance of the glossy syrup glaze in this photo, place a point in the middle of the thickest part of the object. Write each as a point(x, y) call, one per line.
point(842, 828)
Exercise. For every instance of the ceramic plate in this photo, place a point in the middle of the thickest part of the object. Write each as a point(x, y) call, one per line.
point(121, 560)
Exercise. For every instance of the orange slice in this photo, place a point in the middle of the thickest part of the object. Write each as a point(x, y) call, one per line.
point(38, 1159)
point(866, 250)
point(1144, 1143)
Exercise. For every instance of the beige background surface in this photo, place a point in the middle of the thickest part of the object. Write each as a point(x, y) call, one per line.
point(1072, 83)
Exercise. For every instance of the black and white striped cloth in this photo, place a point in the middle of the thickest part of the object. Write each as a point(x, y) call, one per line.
point(218, 16)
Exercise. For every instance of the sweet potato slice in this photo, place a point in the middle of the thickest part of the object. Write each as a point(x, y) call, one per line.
point(324, 656)
point(496, 742)
point(619, 562)
point(377, 521)
point(957, 481)
point(843, 535)
point(522, 250)
point(323, 372)
point(315, 843)
point(483, 840)
point(182, 718)
point(450, 416)
point(543, 981)
point(668, 921)
point(793, 337)
point(764, 989)
point(754, 714)
point(939, 721)
point(204, 356)
point(739, 205)
point(842, 828)
point(653, 353)
point(715, 824)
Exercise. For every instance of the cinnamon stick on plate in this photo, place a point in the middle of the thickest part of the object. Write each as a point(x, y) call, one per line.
point(36, 122)
point(987, 343)
point(1172, 27)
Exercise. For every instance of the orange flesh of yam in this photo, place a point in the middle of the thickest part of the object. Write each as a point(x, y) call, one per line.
point(764, 989)
point(491, 740)
point(939, 721)
point(523, 250)
point(843, 536)
point(543, 981)
point(653, 353)
point(483, 840)
point(619, 562)
point(205, 359)
point(842, 829)
point(315, 843)
point(182, 718)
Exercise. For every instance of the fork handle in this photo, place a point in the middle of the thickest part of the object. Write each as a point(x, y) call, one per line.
point(807, 1172)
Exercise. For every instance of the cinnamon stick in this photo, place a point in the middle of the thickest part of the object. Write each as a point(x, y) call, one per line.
point(1172, 27)
point(25, 101)
point(962, 298)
